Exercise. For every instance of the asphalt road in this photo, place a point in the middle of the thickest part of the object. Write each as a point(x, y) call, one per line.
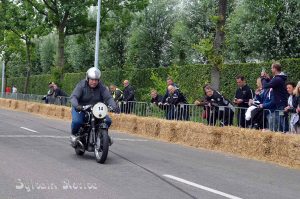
point(36, 161)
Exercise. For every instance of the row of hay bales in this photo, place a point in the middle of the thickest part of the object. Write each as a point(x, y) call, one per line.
point(268, 146)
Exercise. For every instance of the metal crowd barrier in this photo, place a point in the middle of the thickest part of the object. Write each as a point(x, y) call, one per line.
point(214, 116)
point(60, 100)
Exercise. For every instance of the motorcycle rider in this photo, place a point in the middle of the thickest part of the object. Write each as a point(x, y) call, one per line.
point(89, 91)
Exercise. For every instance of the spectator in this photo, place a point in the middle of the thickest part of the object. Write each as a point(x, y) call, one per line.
point(242, 96)
point(177, 102)
point(60, 94)
point(128, 98)
point(292, 106)
point(203, 102)
point(220, 108)
point(14, 89)
point(116, 93)
point(49, 98)
point(264, 106)
point(277, 83)
point(7, 90)
point(156, 98)
point(170, 82)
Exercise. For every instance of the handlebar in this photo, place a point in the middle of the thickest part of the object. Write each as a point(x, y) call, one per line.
point(86, 107)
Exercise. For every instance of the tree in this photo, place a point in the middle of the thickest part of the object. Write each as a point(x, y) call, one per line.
point(149, 42)
point(72, 17)
point(113, 42)
point(194, 24)
point(25, 23)
point(46, 49)
point(218, 44)
point(261, 31)
point(68, 17)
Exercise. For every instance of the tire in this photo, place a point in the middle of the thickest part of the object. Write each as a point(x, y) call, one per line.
point(79, 152)
point(102, 146)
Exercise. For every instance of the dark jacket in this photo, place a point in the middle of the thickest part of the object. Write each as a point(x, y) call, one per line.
point(84, 95)
point(128, 94)
point(117, 95)
point(59, 92)
point(279, 89)
point(167, 92)
point(176, 98)
point(217, 100)
point(245, 93)
point(157, 99)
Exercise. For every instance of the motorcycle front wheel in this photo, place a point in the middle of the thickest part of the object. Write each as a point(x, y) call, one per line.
point(102, 146)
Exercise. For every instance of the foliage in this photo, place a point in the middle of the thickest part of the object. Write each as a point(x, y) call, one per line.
point(264, 30)
point(149, 42)
point(190, 78)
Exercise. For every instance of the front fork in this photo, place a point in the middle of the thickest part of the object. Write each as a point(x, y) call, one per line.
point(94, 133)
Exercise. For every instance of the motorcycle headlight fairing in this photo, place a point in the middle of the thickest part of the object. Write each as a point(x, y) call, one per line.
point(100, 110)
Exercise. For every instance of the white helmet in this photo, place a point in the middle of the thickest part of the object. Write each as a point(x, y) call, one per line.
point(93, 73)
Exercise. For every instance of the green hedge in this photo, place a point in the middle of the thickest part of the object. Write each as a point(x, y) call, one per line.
point(190, 78)
point(38, 84)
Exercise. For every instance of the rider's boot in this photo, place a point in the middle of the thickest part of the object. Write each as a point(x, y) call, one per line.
point(73, 140)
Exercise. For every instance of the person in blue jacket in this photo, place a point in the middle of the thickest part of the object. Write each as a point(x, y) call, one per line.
point(261, 116)
point(277, 83)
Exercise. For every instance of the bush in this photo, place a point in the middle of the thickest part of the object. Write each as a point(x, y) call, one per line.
point(190, 78)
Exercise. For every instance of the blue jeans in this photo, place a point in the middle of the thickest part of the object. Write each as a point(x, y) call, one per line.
point(281, 120)
point(78, 120)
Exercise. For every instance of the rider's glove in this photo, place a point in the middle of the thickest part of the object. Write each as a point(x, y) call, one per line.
point(79, 108)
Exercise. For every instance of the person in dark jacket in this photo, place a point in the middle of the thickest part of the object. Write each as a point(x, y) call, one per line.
point(156, 98)
point(265, 116)
point(277, 83)
point(116, 93)
point(49, 98)
point(177, 102)
point(89, 92)
point(242, 96)
point(128, 98)
point(170, 82)
point(292, 107)
point(220, 108)
point(60, 95)
point(264, 101)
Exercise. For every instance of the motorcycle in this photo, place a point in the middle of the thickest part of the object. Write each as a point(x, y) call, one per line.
point(93, 134)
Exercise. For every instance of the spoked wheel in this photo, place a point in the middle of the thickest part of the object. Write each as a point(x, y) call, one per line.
point(102, 146)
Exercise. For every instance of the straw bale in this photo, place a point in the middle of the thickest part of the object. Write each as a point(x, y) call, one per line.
point(22, 106)
point(33, 108)
point(14, 104)
point(67, 113)
point(44, 109)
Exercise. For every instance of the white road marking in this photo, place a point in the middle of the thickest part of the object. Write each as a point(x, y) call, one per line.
point(33, 136)
point(130, 140)
point(27, 129)
point(202, 187)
